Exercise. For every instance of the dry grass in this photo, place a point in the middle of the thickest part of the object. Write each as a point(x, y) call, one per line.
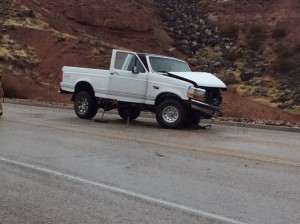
point(295, 110)
point(27, 23)
point(211, 53)
point(243, 90)
point(264, 101)
point(5, 54)
point(228, 77)
point(94, 41)
point(63, 36)
point(272, 97)
point(15, 20)
point(12, 51)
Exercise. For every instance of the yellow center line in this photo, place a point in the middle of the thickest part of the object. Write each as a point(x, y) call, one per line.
point(117, 135)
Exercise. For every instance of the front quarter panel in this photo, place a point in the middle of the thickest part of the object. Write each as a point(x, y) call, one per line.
point(159, 84)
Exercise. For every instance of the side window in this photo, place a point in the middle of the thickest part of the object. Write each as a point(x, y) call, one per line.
point(120, 60)
point(126, 61)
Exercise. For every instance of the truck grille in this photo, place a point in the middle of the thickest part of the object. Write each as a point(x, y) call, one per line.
point(213, 96)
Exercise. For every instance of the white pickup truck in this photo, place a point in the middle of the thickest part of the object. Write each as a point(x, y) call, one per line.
point(145, 82)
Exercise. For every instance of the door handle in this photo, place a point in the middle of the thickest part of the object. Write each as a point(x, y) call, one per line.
point(114, 73)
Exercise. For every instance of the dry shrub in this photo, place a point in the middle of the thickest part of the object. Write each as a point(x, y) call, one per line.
point(285, 65)
point(61, 37)
point(287, 59)
point(256, 36)
point(297, 48)
point(229, 78)
point(231, 31)
point(231, 55)
point(13, 88)
point(233, 89)
point(162, 13)
point(283, 51)
point(279, 32)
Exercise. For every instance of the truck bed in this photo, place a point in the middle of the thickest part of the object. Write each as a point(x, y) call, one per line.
point(98, 78)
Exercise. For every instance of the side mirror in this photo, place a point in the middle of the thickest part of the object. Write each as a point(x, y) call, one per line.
point(135, 70)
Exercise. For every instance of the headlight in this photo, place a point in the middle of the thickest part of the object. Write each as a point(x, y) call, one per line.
point(196, 93)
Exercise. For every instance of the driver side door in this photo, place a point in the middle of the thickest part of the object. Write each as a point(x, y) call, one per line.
point(127, 78)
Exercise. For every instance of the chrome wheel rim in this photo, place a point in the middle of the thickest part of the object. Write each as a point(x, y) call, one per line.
point(170, 114)
point(82, 105)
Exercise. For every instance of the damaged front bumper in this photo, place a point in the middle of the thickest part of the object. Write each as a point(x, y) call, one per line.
point(205, 108)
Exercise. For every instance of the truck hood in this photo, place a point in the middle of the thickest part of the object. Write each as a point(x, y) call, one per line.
point(201, 79)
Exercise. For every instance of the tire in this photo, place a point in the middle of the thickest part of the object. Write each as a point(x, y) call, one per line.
point(130, 112)
point(85, 105)
point(194, 119)
point(171, 114)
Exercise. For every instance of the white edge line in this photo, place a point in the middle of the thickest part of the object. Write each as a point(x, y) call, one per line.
point(122, 191)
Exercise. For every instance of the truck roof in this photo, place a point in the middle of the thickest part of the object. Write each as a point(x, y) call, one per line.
point(157, 55)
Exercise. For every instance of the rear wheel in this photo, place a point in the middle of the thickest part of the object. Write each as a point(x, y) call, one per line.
point(85, 105)
point(171, 114)
point(129, 112)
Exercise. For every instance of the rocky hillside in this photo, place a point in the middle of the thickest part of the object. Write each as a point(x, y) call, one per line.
point(251, 45)
point(268, 32)
point(254, 46)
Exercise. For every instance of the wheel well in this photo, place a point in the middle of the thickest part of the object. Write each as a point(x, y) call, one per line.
point(83, 86)
point(164, 96)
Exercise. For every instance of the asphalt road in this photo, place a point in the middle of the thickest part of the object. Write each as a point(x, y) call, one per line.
point(56, 168)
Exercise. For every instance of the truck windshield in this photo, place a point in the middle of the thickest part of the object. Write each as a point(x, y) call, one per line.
point(168, 65)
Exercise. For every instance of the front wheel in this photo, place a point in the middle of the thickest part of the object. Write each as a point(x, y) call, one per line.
point(171, 114)
point(85, 105)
